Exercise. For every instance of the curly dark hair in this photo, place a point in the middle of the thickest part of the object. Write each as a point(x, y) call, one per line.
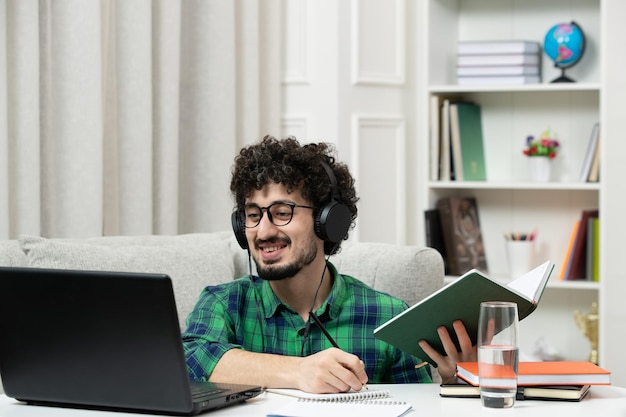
point(286, 161)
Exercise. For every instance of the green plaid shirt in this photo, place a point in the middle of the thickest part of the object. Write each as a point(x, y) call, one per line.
point(246, 314)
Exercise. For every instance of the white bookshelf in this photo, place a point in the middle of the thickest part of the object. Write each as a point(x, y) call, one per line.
point(509, 201)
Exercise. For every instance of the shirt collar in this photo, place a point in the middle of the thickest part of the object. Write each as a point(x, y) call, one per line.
point(330, 307)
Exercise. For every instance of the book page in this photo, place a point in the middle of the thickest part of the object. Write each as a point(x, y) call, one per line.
point(532, 283)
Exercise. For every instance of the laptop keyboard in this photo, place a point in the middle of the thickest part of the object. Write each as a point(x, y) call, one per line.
point(200, 391)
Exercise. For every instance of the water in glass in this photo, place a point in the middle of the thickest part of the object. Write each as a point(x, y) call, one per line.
point(497, 366)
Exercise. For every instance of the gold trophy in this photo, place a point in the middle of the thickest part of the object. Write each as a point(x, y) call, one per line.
point(588, 325)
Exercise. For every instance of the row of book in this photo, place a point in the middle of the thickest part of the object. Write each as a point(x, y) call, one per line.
point(498, 62)
point(590, 171)
point(457, 151)
point(457, 144)
point(453, 229)
point(581, 257)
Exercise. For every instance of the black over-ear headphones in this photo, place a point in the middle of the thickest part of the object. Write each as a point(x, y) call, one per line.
point(331, 222)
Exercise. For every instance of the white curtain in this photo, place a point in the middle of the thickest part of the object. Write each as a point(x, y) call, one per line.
point(123, 116)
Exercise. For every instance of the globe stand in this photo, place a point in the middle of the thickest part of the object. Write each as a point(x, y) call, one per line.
point(563, 78)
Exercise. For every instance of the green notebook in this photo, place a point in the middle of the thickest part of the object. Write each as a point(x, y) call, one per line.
point(461, 300)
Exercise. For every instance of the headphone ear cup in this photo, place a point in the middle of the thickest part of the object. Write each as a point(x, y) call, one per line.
point(332, 222)
point(239, 228)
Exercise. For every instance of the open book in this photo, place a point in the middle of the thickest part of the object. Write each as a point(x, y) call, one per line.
point(460, 300)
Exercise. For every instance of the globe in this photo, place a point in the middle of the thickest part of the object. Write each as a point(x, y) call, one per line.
point(564, 44)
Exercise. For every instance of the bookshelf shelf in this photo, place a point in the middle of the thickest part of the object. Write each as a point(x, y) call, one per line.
point(527, 88)
point(552, 284)
point(574, 285)
point(534, 186)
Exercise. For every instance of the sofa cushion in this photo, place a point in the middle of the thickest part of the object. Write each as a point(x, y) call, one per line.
point(410, 273)
point(192, 261)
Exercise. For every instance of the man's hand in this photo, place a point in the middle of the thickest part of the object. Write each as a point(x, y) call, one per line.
point(331, 371)
point(446, 365)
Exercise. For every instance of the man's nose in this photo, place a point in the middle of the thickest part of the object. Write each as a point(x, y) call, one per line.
point(265, 227)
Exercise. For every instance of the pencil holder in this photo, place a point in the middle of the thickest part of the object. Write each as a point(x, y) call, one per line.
point(520, 254)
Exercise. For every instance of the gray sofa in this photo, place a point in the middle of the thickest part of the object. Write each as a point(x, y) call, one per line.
point(196, 260)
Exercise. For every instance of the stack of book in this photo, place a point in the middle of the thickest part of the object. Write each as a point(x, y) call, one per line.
point(561, 380)
point(498, 62)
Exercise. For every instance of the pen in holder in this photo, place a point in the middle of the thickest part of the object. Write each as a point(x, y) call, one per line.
point(520, 251)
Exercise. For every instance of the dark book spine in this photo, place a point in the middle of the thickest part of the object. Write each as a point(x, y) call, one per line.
point(444, 207)
point(434, 235)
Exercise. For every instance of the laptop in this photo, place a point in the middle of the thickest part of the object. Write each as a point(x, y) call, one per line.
point(99, 340)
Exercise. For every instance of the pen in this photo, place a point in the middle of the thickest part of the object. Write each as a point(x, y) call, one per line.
point(419, 365)
point(520, 236)
point(328, 336)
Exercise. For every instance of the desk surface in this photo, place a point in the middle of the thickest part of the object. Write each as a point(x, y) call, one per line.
point(603, 401)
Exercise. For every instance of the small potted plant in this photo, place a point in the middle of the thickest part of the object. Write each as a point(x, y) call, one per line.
point(541, 152)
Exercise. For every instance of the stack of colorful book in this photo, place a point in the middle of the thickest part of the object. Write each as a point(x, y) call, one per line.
point(559, 380)
point(498, 62)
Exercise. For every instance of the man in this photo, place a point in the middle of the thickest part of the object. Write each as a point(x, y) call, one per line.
point(280, 328)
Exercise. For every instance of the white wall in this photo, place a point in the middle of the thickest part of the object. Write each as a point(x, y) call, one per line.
point(346, 81)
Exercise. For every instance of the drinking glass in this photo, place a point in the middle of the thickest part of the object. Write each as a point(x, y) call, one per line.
point(498, 354)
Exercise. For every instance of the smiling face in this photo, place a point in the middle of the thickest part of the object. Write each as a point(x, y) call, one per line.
point(282, 251)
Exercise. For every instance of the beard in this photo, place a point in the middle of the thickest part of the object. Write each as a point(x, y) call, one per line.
point(304, 257)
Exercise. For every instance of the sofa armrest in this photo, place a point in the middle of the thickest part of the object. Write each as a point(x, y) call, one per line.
point(11, 253)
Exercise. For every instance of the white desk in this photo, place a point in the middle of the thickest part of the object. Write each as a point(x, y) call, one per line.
point(601, 401)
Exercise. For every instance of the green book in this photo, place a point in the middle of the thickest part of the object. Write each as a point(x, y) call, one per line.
point(596, 249)
point(460, 300)
point(590, 249)
point(467, 142)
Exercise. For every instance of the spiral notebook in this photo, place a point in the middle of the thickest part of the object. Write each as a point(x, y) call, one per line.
point(375, 403)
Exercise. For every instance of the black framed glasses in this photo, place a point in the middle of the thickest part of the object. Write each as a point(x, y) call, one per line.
point(280, 213)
